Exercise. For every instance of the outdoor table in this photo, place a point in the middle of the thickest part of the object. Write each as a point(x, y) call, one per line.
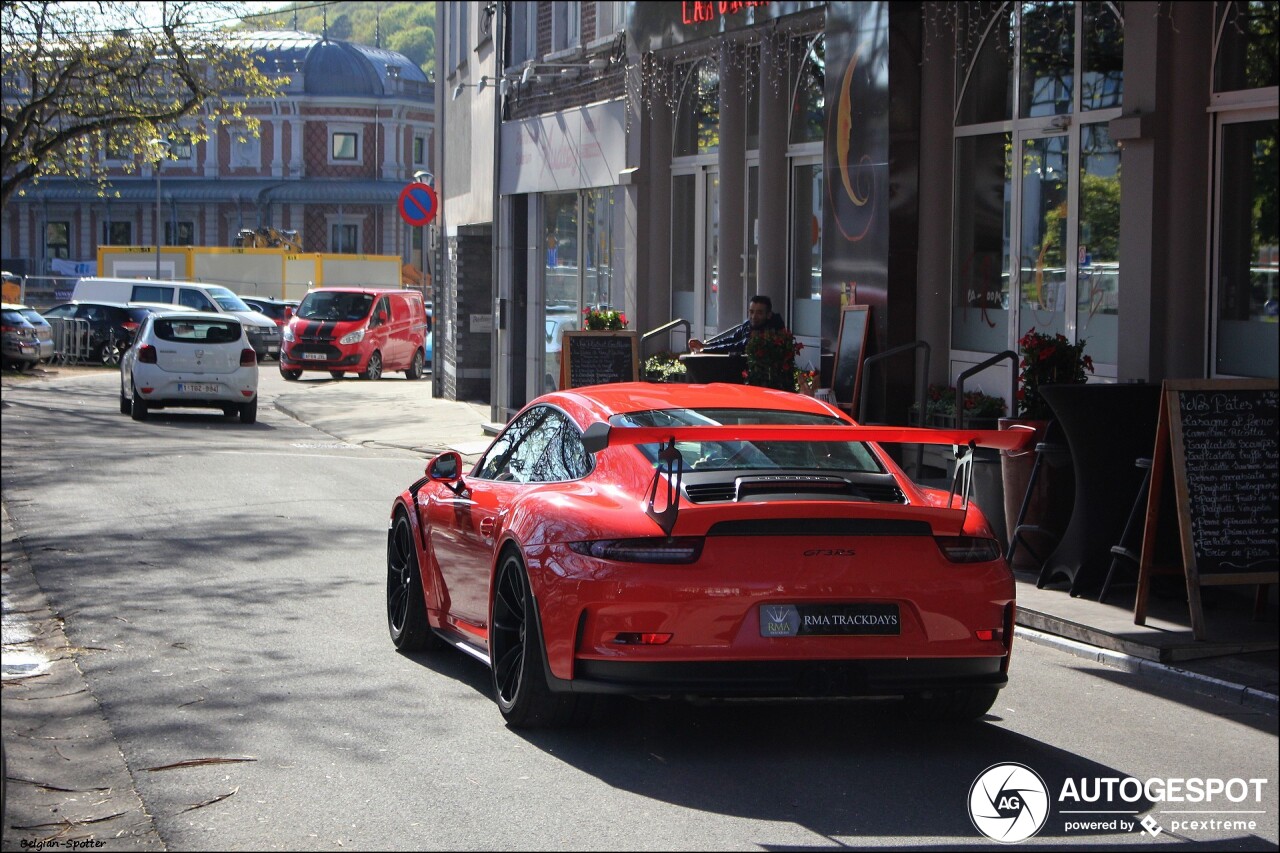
point(1107, 428)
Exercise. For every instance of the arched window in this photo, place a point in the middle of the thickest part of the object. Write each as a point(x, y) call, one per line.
point(698, 117)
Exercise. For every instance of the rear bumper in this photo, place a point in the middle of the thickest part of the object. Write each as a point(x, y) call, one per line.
point(786, 678)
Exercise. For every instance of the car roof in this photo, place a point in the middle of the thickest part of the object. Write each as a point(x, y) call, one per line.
point(372, 291)
point(600, 402)
point(195, 315)
point(13, 306)
point(105, 302)
point(164, 306)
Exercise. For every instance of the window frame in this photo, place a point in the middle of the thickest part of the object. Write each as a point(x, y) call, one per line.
point(336, 130)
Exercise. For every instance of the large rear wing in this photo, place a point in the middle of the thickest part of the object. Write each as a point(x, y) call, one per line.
point(600, 436)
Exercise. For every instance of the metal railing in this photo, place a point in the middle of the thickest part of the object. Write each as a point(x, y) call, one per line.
point(666, 328)
point(72, 340)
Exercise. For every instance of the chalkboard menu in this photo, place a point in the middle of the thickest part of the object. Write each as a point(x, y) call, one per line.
point(596, 358)
point(1221, 439)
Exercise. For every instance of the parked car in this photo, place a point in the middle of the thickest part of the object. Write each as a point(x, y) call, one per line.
point(704, 540)
point(352, 329)
point(19, 340)
point(281, 311)
point(190, 359)
point(263, 332)
point(44, 332)
point(112, 326)
point(557, 323)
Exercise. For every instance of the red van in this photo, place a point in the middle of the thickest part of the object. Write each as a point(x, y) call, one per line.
point(364, 330)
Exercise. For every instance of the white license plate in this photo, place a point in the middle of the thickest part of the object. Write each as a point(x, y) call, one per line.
point(313, 356)
point(198, 388)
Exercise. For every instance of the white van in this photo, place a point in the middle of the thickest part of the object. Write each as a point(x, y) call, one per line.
point(264, 334)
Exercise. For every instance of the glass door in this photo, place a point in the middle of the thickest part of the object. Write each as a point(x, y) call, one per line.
point(1044, 267)
point(695, 252)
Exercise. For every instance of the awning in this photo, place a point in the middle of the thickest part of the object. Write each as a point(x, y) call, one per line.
point(257, 192)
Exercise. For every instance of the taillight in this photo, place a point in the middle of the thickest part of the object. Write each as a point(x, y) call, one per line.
point(248, 358)
point(968, 549)
point(130, 326)
point(655, 549)
point(146, 354)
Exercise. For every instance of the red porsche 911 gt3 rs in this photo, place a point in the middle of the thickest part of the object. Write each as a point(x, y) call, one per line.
point(702, 540)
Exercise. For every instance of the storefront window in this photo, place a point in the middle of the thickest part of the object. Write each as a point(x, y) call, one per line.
point(1046, 73)
point(1102, 42)
point(808, 106)
point(560, 278)
point(698, 120)
point(1042, 268)
point(602, 248)
point(711, 251)
point(984, 61)
point(1248, 251)
point(1098, 244)
point(806, 255)
point(980, 288)
point(684, 231)
point(1246, 54)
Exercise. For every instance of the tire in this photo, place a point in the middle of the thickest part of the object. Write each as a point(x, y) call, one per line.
point(417, 368)
point(373, 372)
point(106, 354)
point(230, 411)
point(249, 411)
point(139, 407)
point(406, 603)
point(516, 656)
point(957, 706)
point(126, 408)
point(337, 374)
point(290, 375)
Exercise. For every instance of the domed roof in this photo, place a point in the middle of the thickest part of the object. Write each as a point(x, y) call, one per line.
point(331, 67)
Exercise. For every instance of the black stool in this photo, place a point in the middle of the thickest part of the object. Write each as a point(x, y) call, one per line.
point(1128, 550)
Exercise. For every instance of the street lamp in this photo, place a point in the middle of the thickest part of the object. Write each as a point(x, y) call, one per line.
point(163, 147)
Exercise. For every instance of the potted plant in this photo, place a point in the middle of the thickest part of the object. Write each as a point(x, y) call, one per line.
point(603, 319)
point(664, 367)
point(806, 381)
point(1044, 359)
point(981, 411)
point(771, 359)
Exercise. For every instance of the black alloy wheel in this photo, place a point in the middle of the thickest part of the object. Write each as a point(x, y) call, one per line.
point(374, 371)
point(406, 604)
point(515, 656)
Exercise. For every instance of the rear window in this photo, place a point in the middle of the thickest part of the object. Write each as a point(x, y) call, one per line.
point(14, 318)
point(743, 455)
point(33, 317)
point(137, 315)
point(335, 306)
point(198, 331)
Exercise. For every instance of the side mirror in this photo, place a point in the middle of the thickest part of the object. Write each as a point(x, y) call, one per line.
point(445, 468)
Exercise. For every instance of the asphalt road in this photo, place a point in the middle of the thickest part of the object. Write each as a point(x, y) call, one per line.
point(225, 585)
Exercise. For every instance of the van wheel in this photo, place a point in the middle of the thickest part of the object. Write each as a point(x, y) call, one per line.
point(374, 371)
point(290, 375)
point(416, 369)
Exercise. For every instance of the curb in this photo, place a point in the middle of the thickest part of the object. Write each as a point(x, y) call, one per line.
point(1248, 697)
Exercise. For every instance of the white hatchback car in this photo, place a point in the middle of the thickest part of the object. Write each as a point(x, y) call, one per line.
point(190, 359)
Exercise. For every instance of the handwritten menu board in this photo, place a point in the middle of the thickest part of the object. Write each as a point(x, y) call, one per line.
point(596, 358)
point(1220, 439)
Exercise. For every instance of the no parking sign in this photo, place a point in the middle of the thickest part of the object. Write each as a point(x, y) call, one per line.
point(418, 204)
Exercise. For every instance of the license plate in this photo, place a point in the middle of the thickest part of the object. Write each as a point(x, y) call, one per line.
point(811, 620)
point(198, 388)
point(313, 356)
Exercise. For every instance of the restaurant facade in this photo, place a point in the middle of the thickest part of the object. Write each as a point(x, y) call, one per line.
point(969, 171)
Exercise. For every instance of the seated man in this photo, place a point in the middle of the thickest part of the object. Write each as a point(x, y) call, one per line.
point(760, 317)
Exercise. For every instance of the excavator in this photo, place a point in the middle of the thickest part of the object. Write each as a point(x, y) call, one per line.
point(266, 237)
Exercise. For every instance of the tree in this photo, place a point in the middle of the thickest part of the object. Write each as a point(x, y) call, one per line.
point(81, 78)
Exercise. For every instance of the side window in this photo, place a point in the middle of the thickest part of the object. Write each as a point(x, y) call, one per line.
point(195, 299)
point(60, 311)
point(542, 446)
point(382, 311)
point(151, 293)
